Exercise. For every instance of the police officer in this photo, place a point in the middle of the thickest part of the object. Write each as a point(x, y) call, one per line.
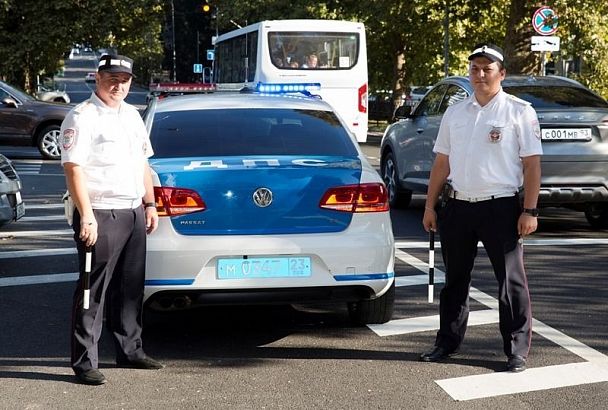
point(488, 146)
point(105, 150)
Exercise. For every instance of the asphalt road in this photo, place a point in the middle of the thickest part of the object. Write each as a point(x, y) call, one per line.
point(303, 357)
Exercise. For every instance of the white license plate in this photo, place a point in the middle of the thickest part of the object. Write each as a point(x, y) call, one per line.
point(20, 206)
point(255, 268)
point(568, 134)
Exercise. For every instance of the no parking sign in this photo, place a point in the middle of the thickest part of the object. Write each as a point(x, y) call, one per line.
point(544, 21)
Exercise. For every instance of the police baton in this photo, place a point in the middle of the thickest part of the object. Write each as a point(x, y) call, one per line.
point(431, 264)
point(86, 277)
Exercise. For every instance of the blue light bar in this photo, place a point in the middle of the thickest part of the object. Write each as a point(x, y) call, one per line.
point(275, 88)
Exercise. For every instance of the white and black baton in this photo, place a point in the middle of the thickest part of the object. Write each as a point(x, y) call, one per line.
point(431, 264)
point(86, 278)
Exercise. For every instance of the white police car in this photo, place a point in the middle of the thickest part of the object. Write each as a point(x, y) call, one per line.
point(265, 199)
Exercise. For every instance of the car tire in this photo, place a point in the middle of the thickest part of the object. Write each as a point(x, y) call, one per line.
point(373, 311)
point(597, 216)
point(60, 100)
point(397, 196)
point(48, 142)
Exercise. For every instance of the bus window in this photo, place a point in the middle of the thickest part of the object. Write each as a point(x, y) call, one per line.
point(313, 50)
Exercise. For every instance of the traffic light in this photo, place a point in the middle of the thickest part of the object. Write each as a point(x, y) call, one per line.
point(206, 8)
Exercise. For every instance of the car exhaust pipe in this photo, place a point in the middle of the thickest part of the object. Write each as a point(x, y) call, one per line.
point(182, 302)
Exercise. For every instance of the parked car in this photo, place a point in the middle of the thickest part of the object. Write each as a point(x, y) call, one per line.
point(574, 128)
point(25, 120)
point(12, 207)
point(265, 199)
point(380, 106)
point(44, 93)
point(89, 77)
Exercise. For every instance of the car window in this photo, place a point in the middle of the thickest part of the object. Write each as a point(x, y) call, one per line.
point(557, 96)
point(431, 102)
point(233, 132)
point(16, 93)
point(453, 95)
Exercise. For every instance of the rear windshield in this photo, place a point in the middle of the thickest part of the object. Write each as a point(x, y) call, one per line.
point(557, 97)
point(235, 132)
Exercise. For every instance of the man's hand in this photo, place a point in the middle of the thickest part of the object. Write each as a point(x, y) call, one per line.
point(151, 219)
point(88, 231)
point(526, 224)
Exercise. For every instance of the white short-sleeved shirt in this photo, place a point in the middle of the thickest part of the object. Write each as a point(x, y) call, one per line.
point(111, 146)
point(485, 144)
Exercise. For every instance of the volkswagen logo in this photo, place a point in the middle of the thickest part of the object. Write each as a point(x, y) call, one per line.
point(262, 197)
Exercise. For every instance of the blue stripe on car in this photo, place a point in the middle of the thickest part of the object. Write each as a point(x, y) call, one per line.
point(370, 276)
point(169, 282)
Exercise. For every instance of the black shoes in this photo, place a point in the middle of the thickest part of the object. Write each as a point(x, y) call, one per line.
point(146, 363)
point(516, 364)
point(438, 354)
point(92, 377)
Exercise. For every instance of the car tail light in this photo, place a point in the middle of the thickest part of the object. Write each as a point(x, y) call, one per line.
point(370, 197)
point(177, 201)
point(362, 102)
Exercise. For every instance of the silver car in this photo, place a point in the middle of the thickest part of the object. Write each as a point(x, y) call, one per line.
point(574, 128)
point(11, 204)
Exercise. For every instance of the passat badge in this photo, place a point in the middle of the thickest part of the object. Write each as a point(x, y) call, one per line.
point(262, 197)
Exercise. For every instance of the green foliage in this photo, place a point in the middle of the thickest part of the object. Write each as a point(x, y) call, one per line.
point(405, 38)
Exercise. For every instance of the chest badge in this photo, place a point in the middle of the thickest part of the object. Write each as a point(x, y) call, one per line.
point(262, 197)
point(495, 134)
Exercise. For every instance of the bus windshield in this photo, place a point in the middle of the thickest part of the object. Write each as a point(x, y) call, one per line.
point(313, 50)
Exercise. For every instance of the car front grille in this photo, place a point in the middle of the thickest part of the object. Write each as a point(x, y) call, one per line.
point(7, 169)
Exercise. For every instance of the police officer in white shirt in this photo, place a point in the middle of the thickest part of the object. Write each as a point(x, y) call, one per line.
point(105, 147)
point(488, 147)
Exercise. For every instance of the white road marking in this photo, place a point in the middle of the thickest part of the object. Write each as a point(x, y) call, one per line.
point(594, 370)
point(42, 206)
point(21, 234)
point(35, 253)
point(38, 279)
point(527, 242)
point(42, 218)
point(539, 378)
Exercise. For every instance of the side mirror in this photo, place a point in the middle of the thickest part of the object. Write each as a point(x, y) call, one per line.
point(9, 102)
point(402, 112)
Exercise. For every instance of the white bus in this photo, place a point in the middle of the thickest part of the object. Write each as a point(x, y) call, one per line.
point(330, 54)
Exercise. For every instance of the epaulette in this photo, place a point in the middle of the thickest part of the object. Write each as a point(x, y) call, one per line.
point(518, 100)
point(83, 106)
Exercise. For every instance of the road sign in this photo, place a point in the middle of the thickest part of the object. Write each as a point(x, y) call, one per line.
point(198, 68)
point(210, 55)
point(544, 21)
point(545, 43)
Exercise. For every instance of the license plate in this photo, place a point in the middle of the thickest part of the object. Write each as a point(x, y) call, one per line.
point(271, 267)
point(569, 134)
point(20, 210)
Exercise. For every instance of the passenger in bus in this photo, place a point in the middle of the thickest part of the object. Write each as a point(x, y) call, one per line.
point(294, 64)
point(311, 61)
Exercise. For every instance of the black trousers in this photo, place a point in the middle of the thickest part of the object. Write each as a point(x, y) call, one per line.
point(494, 223)
point(117, 276)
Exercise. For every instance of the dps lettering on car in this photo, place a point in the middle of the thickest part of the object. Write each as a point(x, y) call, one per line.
point(218, 163)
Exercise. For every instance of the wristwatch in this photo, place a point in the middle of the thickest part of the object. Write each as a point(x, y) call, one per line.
point(531, 211)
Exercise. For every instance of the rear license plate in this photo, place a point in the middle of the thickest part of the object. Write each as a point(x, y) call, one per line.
point(272, 267)
point(569, 134)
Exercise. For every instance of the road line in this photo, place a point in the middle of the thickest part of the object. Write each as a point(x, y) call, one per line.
point(36, 253)
point(535, 379)
point(38, 279)
point(527, 242)
point(20, 234)
point(42, 218)
point(42, 206)
point(428, 323)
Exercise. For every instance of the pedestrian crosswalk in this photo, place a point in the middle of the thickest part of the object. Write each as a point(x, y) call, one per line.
point(28, 166)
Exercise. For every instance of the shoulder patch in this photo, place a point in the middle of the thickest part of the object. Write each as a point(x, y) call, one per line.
point(68, 137)
point(517, 100)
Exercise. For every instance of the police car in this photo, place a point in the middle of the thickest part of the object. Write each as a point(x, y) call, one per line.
point(265, 199)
